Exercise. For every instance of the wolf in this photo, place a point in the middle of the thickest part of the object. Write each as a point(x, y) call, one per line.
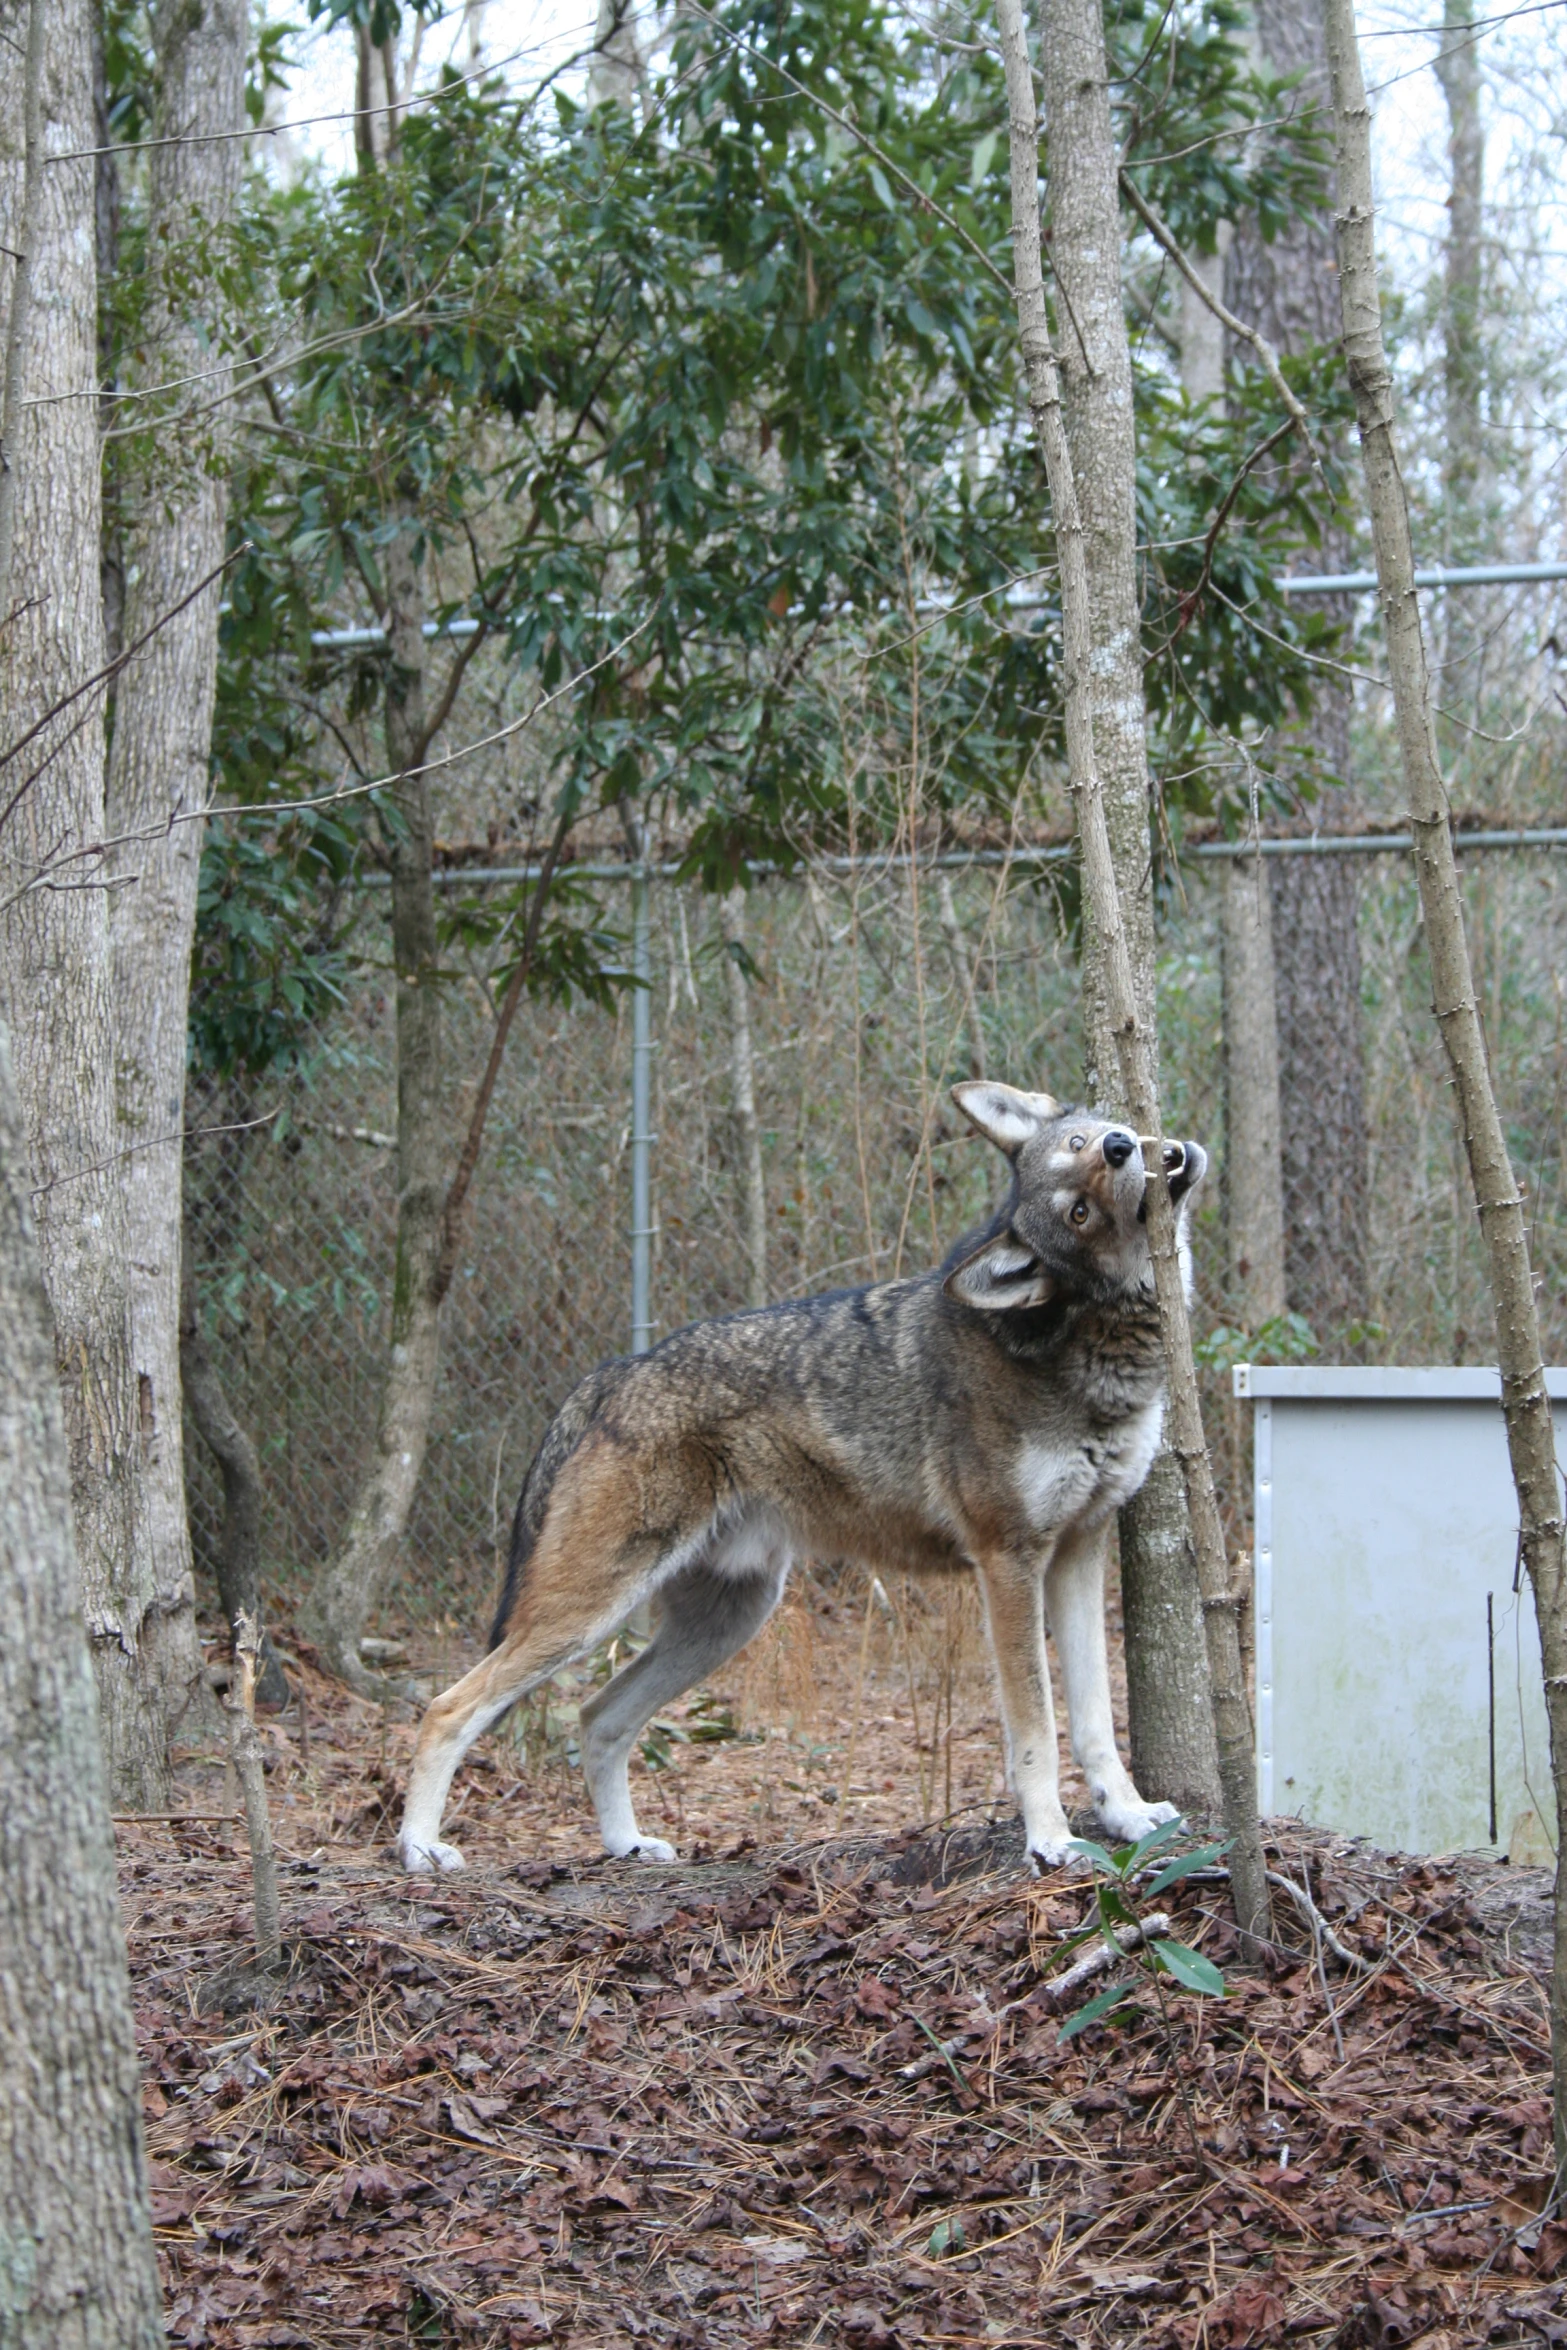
point(988, 1417)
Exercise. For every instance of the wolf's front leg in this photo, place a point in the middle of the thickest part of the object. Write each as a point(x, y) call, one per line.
point(1014, 1609)
point(1075, 1590)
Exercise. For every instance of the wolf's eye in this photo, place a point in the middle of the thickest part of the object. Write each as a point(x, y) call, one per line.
point(1076, 1142)
point(1079, 1211)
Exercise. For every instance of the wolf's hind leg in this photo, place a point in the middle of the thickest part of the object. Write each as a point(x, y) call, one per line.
point(706, 1616)
point(1075, 1594)
point(451, 1724)
point(1015, 1613)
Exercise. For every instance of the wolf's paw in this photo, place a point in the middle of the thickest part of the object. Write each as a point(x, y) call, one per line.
point(424, 1859)
point(639, 1847)
point(1129, 1822)
point(1047, 1853)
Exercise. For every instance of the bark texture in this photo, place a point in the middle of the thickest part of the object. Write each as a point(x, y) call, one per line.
point(160, 758)
point(1201, 332)
point(1096, 388)
point(351, 1583)
point(1463, 353)
point(1289, 291)
point(19, 313)
point(1253, 1189)
point(56, 988)
point(76, 2259)
point(742, 1070)
point(1159, 1598)
point(1169, 1710)
point(1531, 1438)
point(1129, 1026)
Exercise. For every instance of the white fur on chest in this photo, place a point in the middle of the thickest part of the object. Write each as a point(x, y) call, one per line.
point(1059, 1483)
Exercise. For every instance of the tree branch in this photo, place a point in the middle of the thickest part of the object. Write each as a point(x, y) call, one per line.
point(1243, 333)
point(462, 1180)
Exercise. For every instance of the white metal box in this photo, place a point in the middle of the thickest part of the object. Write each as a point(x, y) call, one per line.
point(1398, 1663)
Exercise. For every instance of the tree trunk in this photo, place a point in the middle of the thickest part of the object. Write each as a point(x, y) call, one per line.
point(1129, 1026)
point(55, 971)
point(1253, 1191)
point(1463, 359)
point(1202, 335)
point(24, 212)
point(159, 768)
point(1168, 1705)
point(351, 1584)
point(239, 1559)
point(1288, 289)
point(76, 2259)
point(1159, 1598)
point(743, 1076)
point(1096, 389)
point(1531, 1436)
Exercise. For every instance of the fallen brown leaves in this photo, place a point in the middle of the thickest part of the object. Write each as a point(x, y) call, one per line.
point(816, 2095)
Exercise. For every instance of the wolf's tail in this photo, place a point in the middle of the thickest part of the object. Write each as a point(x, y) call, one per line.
point(561, 1438)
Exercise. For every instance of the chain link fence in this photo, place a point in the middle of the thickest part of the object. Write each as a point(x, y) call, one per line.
point(869, 996)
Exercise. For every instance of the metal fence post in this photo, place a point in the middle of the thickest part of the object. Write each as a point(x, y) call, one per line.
point(642, 1137)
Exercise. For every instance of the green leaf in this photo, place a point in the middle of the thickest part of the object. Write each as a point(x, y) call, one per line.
point(879, 183)
point(1190, 1969)
point(1155, 1839)
point(946, 2236)
point(983, 155)
point(1173, 1871)
point(1094, 2010)
point(1105, 1863)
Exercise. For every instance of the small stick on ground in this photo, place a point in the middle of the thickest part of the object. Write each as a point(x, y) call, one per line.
point(245, 1747)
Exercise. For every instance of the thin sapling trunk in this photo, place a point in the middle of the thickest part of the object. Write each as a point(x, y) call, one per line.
point(1102, 907)
point(1526, 1406)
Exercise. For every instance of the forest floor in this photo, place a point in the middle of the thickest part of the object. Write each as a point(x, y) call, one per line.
point(807, 2087)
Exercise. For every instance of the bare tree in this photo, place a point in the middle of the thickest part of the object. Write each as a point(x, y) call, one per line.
point(1526, 1405)
point(1287, 289)
point(161, 749)
point(1128, 1024)
point(56, 974)
point(76, 2260)
point(742, 1068)
point(1171, 1723)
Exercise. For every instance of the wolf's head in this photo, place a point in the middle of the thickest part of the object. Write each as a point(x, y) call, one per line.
point(1075, 1224)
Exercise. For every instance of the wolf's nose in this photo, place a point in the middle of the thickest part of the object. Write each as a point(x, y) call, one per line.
point(1118, 1149)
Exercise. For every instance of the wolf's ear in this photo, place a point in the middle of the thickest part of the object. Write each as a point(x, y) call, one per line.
point(1003, 1115)
point(1000, 1278)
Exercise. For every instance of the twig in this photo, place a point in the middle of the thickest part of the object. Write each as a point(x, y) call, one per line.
point(245, 1747)
point(1191, 602)
point(106, 676)
point(1320, 1928)
point(456, 1197)
point(154, 1142)
point(1064, 1988)
point(1226, 317)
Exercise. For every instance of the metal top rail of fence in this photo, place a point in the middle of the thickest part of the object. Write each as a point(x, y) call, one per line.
point(1025, 599)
